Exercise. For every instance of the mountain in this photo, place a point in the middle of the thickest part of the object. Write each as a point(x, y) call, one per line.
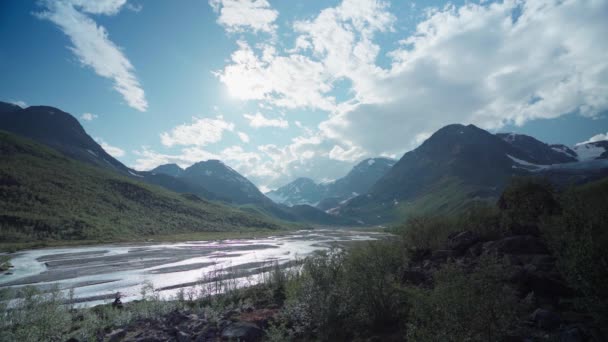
point(328, 195)
point(222, 180)
point(592, 150)
point(59, 130)
point(45, 195)
point(456, 166)
point(300, 191)
point(358, 181)
point(172, 170)
point(538, 152)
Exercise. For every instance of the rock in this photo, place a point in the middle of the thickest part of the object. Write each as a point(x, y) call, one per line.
point(441, 255)
point(546, 319)
point(571, 334)
point(414, 277)
point(182, 337)
point(461, 241)
point(117, 335)
point(547, 284)
point(242, 331)
point(521, 244)
point(176, 317)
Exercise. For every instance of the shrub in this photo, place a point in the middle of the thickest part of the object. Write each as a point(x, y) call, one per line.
point(339, 294)
point(524, 202)
point(578, 238)
point(463, 307)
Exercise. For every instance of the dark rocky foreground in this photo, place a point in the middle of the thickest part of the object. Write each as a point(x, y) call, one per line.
point(529, 270)
point(242, 324)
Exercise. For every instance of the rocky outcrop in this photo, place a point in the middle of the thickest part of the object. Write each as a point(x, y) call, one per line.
point(530, 270)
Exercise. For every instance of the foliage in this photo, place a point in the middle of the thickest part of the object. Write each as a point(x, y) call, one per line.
point(463, 307)
point(338, 294)
point(45, 196)
point(578, 238)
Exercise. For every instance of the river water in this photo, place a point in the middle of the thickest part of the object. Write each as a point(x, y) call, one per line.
point(97, 273)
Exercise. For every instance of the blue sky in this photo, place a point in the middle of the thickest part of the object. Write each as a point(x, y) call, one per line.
point(282, 89)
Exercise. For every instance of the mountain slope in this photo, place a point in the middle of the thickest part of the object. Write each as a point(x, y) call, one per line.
point(300, 191)
point(46, 196)
point(328, 195)
point(462, 163)
point(537, 151)
point(592, 150)
point(59, 130)
point(172, 170)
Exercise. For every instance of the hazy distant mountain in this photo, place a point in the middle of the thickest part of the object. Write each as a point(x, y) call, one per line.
point(221, 179)
point(300, 191)
point(328, 195)
point(172, 170)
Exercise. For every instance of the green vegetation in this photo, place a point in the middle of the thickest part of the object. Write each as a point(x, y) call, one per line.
point(365, 292)
point(579, 237)
point(5, 262)
point(46, 197)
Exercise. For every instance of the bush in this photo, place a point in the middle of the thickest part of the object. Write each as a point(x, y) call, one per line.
point(463, 307)
point(340, 294)
point(578, 238)
point(525, 202)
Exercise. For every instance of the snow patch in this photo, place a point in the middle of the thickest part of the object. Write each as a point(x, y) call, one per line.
point(525, 165)
point(588, 151)
point(135, 174)
point(371, 162)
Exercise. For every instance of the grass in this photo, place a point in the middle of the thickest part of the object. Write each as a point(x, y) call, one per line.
point(46, 199)
point(5, 262)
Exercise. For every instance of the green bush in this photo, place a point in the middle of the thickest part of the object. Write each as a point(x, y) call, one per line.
point(525, 202)
point(463, 307)
point(578, 238)
point(341, 294)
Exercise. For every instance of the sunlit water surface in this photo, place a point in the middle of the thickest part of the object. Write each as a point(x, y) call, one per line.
point(97, 273)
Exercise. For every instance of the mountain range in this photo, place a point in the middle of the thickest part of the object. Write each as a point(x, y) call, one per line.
point(210, 180)
point(329, 194)
point(456, 167)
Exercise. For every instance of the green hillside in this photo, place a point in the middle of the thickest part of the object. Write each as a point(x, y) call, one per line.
point(45, 196)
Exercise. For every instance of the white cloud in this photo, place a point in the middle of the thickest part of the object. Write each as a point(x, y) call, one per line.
point(92, 46)
point(258, 120)
point(201, 132)
point(243, 136)
point(88, 116)
point(242, 15)
point(488, 64)
point(476, 64)
point(595, 138)
point(114, 151)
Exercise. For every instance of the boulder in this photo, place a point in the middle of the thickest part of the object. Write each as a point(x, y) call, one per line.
point(460, 242)
point(441, 255)
point(520, 244)
point(415, 277)
point(242, 331)
point(546, 319)
point(117, 335)
point(571, 334)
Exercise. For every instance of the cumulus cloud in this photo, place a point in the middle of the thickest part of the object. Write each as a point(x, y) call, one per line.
point(114, 151)
point(92, 46)
point(242, 15)
point(243, 136)
point(258, 120)
point(595, 138)
point(201, 132)
point(489, 64)
point(88, 116)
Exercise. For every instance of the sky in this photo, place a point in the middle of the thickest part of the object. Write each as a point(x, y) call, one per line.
point(306, 88)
